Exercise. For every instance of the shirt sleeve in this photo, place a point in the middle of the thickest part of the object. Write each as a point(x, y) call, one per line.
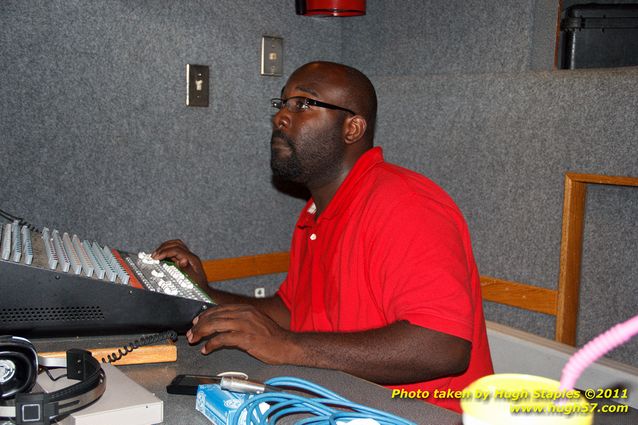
point(421, 266)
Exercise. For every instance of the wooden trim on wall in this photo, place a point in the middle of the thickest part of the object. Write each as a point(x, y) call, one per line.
point(528, 297)
point(571, 248)
point(247, 266)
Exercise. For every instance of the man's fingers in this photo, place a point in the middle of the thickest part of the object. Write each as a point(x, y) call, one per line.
point(168, 247)
point(209, 327)
point(175, 253)
point(226, 339)
point(226, 310)
point(224, 318)
point(169, 244)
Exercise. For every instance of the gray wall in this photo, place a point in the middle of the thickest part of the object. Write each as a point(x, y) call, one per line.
point(95, 138)
point(416, 37)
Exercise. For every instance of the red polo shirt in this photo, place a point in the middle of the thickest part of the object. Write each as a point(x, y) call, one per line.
point(390, 246)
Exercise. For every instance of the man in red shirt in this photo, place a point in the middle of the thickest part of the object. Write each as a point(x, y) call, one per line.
point(382, 281)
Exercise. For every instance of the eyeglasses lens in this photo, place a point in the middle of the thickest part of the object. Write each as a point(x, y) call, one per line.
point(293, 104)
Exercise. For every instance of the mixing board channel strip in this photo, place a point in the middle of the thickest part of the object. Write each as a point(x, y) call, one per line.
point(16, 242)
point(63, 258)
point(87, 265)
point(52, 257)
point(97, 267)
point(111, 275)
point(27, 246)
point(76, 266)
point(121, 273)
point(6, 242)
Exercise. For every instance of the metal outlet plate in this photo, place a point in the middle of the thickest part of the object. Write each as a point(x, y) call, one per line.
point(272, 56)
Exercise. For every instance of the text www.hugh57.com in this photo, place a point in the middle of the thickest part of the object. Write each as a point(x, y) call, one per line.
point(568, 409)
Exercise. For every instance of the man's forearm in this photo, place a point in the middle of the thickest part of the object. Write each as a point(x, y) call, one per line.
point(396, 354)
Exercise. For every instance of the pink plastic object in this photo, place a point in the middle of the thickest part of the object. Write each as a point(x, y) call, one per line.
point(595, 349)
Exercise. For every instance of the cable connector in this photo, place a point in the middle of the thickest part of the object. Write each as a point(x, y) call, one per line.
point(240, 385)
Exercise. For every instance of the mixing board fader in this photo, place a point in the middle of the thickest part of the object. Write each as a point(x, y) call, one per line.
point(57, 283)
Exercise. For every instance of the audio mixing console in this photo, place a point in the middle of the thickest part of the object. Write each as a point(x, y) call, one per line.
point(58, 284)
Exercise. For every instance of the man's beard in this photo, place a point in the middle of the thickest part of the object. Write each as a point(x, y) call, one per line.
point(288, 168)
point(319, 160)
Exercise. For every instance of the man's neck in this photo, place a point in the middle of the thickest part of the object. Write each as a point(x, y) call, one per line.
point(323, 191)
point(322, 194)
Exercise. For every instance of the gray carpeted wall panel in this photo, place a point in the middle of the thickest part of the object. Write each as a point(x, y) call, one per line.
point(500, 145)
point(412, 37)
point(95, 136)
point(608, 286)
point(542, 41)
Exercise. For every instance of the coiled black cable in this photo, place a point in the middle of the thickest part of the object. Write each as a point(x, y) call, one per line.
point(145, 340)
point(21, 221)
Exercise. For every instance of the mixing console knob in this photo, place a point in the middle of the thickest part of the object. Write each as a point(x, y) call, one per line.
point(146, 258)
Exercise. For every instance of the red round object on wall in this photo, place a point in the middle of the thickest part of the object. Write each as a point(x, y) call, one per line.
point(331, 7)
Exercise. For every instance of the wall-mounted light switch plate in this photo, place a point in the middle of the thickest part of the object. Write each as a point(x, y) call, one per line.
point(196, 85)
point(272, 56)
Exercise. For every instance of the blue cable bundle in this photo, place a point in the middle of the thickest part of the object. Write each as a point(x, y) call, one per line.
point(327, 408)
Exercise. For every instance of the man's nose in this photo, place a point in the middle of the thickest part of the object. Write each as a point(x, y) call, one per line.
point(280, 119)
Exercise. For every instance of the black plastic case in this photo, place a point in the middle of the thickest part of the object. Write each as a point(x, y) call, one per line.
point(599, 36)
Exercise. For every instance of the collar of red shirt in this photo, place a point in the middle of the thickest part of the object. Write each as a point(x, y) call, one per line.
point(343, 196)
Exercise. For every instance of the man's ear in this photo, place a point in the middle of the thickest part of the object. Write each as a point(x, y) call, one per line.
point(355, 128)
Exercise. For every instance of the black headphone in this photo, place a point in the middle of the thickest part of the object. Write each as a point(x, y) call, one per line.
point(19, 364)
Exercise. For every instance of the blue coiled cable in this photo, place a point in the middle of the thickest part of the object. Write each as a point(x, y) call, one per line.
point(326, 408)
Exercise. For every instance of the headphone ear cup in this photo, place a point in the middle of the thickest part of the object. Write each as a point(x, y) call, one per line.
point(18, 366)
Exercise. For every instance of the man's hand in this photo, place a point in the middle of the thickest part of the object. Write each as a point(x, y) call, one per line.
point(394, 354)
point(176, 251)
point(245, 327)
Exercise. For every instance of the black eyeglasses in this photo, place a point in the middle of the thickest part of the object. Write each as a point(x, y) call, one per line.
point(300, 104)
